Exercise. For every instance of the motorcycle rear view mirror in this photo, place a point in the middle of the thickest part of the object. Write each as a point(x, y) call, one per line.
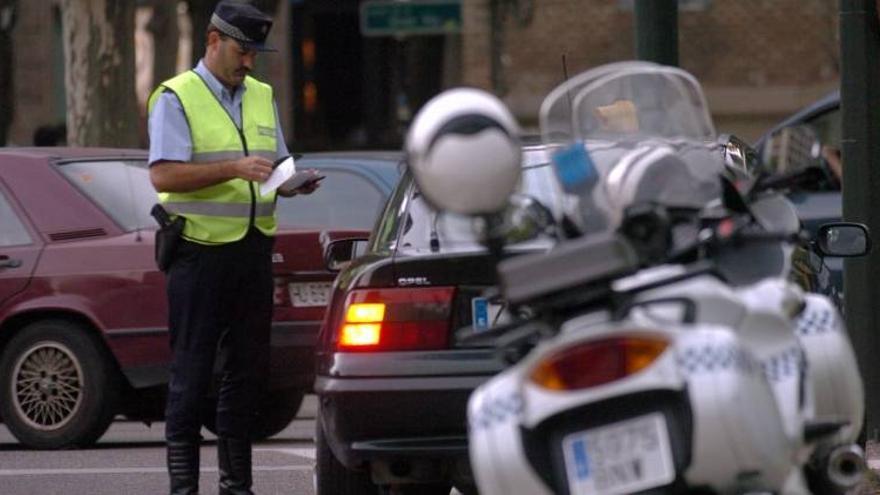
point(843, 239)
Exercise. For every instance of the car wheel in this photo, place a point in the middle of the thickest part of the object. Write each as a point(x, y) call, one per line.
point(331, 477)
point(275, 412)
point(58, 387)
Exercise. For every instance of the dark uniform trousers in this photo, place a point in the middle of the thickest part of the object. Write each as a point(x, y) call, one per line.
point(220, 305)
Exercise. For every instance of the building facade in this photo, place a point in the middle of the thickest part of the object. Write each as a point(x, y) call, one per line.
point(758, 60)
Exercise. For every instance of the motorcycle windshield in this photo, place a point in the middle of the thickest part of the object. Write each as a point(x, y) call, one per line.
point(627, 101)
point(648, 134)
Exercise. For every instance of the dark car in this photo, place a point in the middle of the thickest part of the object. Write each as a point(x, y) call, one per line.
point(392, 380)
point(83, 310)
point(823, 202)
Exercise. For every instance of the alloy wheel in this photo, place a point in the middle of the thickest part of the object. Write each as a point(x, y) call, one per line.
point(47, 385)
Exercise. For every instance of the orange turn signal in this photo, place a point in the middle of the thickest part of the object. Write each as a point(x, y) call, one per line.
point(365, 313)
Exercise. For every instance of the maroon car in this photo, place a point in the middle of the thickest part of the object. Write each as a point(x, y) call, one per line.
point(83, 310)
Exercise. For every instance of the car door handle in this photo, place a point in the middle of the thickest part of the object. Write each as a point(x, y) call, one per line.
point(7, 262)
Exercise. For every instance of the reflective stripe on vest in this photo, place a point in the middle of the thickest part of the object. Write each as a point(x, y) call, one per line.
point(222, 213)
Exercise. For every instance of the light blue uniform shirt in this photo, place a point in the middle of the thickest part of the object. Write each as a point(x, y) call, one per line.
point(170, 138)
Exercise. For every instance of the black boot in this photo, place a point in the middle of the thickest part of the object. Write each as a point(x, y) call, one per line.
point(183, 467)
point(234, 461)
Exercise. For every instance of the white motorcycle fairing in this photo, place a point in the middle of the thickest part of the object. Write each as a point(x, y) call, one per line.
point(730, 370)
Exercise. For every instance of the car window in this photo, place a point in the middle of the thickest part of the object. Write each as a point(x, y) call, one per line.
point(121, 188)
point(828, 127)
point(384, 233)
point(345, 200)
point(12, 230)
point(425, 230)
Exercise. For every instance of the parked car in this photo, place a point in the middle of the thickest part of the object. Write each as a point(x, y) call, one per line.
point(83, 312)
point(820, 202)
point(394, 411)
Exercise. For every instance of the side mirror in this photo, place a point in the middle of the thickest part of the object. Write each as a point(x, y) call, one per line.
point(843, 239)
point(739, 156)
point(339, 253)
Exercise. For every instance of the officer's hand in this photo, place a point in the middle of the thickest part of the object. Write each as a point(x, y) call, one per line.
point(309, 187)
point(254, 168)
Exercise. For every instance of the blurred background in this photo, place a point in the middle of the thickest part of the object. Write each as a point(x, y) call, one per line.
point(352, 73)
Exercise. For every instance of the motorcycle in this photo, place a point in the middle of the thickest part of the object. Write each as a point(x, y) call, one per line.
point(661, 350)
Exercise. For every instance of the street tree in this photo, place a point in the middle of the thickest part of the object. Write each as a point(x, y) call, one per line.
point(7, 21)
point(166, 37)
point(99, 72)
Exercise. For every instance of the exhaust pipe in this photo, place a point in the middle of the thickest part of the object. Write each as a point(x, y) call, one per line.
point(845, 466)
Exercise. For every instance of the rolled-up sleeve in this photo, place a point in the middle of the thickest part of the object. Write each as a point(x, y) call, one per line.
point(170, 137)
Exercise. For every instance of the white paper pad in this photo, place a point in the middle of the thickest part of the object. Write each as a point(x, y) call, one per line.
point(280, 174)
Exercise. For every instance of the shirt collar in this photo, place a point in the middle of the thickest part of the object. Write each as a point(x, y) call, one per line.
point(215, 85)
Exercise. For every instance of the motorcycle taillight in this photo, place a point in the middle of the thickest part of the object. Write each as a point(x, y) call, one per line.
point(592, 363)
point(396, 319)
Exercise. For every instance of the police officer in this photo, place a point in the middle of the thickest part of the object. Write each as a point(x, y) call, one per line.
point(214, 134)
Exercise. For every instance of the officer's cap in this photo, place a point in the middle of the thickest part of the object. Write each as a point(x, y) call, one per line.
point(244, 23)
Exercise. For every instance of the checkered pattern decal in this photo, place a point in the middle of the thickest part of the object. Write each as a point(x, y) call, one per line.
point(816, 320)
point(788, 363)
point(712, 358)
point(497, 410)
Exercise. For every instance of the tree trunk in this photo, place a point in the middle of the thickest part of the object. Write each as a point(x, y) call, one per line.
point(166, 37)
point(200, 14)
point(99, 72)
point(7, 108)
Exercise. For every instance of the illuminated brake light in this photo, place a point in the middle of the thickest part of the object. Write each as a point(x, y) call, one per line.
point(360, 334)
point(596, 363)
point(396, 319)
point(365, 313)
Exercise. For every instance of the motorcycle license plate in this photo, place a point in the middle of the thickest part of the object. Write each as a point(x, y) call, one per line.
point(619, 458)
point(309, 294)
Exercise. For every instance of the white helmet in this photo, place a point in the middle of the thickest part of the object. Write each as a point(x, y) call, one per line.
point(464, 151)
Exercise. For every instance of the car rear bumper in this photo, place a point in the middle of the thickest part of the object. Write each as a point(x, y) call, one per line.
point(395, 406)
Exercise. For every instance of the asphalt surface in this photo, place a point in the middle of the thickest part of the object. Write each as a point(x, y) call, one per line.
point(130, 459)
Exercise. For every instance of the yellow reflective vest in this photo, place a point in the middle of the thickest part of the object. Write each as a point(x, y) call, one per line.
point(223, 212)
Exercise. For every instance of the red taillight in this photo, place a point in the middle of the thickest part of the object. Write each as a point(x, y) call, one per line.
point(399, 319)
point(595, 363)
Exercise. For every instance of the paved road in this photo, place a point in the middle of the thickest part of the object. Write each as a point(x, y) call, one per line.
point(130, 460)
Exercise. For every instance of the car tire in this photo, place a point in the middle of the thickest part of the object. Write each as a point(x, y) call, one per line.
point(275, 412)
point(58, 386)
point(331, 477)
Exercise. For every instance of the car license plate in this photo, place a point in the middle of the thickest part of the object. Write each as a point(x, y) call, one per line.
point(309, 294)
point(623, 457)
point(486, 314)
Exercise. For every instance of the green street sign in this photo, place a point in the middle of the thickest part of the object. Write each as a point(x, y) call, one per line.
point(414, 17)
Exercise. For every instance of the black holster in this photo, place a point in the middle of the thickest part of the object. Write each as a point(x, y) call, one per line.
point(167, 237)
